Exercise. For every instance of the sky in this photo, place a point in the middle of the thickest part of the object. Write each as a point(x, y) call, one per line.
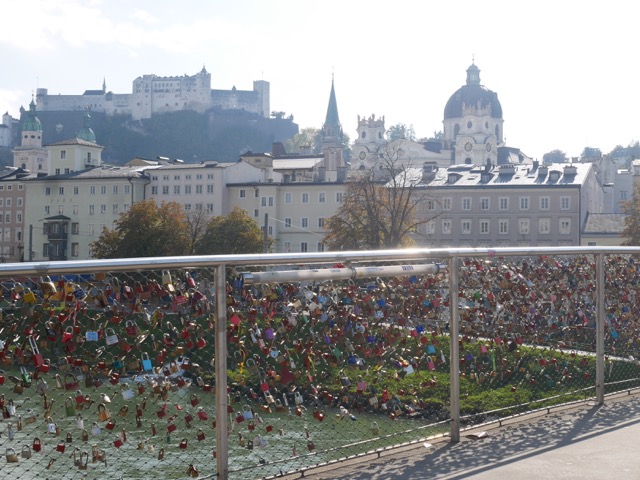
point(566, 73)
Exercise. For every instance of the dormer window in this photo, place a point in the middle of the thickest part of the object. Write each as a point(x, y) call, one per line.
point(452, 178)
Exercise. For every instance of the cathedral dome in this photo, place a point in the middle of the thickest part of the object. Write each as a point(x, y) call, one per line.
point(473, 96)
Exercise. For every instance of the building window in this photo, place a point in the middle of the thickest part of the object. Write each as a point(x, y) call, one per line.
point(7, 218)
point(103, 209)
point(286, 247)
point(165, 178)
point(60, 190)
point(47, 190)
point(322, 197)
point(503, 226)
point(287, 223)
point(91, 229)
point(19, 202)
point(209, 207)
point(446, 226)
point(8, 202)
point(127, 189)
point(339, 196)
point(76, 209)
point(565, 226)
point(465, 225)
point(47, 210)
point(320, 246)
point(430, 227)
point(45, 250)
point(523, 226)
point(75, 228)
point(165, 189)
point(19, 217)
point(565, 203)
point(544, 226)
point(624, 195)
point(524, 203)
point(321, 222)
point(92, 209)
point(115, 209)
point(466, 203)
point(431, 204)
point(154, 190)
point(63, 154)
point(75, 190)
point(304, 222)
point(103, 189)
point(199, 176)
point(484, 226)
point(176, 189)
point(60, 209)
point(176, 177)
point(305, 198)
point(187, 207)
point(125, 207)
point(198, 189)
point(263, 201)
point(446, 203)
point(187, 189)
point(288, 197)
point(256, 213)
point(114, 189)
point(304, 247)
point(544, 203)
point(74, 249)
point(209, 188)
point(484, 204)
point(256, 192)
point(198, 207)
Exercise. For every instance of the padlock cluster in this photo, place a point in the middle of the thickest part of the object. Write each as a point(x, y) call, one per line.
point(99, 369)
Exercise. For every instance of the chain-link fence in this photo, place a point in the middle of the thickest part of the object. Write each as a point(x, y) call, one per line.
point(109, 371)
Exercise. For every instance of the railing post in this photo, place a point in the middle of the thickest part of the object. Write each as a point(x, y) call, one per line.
point(454, 360)
point(222, 445)
point(600, 322)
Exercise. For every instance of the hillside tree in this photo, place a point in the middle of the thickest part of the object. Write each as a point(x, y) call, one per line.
point(147, 229)
point(234, 233)
point(631, 208)
point(382, 207)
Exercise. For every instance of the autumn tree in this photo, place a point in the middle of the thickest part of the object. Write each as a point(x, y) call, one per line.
point(307, 140)
point(400, 131)
point(631, 208)
point(234, 233)
point(147, 229)
point(381, 206)
point(555, 156)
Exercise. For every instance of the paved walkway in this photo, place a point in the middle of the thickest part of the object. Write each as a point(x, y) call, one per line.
point(584, 442)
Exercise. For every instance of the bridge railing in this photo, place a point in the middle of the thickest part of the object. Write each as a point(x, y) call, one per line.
point(252, 366)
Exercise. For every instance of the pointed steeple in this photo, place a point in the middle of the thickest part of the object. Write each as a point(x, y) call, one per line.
point(332, 127)
point(331, 135)
point(104, 84)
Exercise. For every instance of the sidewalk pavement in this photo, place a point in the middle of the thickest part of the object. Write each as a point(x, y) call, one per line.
point(585, 442)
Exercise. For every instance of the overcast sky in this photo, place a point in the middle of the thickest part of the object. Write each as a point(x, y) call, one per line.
point(566, 73)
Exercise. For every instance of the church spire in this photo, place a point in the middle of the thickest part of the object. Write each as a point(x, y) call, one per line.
point(332, 127)
point(332, 137)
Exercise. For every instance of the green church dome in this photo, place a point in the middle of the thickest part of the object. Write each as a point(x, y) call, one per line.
point(32, 123)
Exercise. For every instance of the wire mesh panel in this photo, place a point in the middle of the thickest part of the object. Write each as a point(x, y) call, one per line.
point(107, 375)
point(113, 374)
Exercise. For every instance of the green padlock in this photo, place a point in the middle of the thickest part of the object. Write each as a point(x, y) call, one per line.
point(69, 407)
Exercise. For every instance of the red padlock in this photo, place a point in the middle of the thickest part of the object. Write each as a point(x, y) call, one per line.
point(61, 447)
point(200, 436)
point(202, 415)
point(118, 442)
point(171, 427)
point(37, 445)
point(111, 424)
point(183, 444)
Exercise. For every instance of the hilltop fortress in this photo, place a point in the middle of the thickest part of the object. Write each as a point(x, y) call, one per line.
point(152, 94)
